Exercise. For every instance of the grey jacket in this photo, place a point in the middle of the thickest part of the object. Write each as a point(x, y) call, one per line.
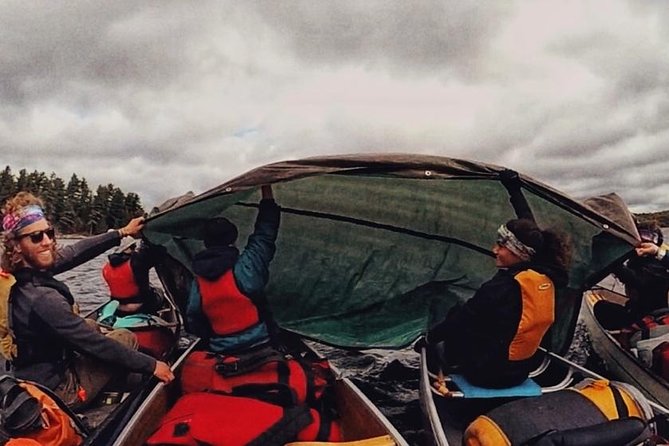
point(47, 331)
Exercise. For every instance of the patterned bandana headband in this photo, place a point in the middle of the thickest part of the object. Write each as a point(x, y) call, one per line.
point(14, 222)
point(509, 240)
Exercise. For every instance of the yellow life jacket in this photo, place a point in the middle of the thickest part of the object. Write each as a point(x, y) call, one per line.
point(538, 313)
point(7, 345)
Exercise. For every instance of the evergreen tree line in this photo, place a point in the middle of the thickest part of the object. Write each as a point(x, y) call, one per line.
point(73, 207)
point(661, 218)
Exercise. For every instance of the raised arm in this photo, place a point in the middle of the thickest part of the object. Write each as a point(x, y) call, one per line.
point(511, 181)
point(266, 192)
point(252, 268)
point(84, 250)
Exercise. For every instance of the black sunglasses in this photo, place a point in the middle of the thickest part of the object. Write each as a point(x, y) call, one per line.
point(37, 236)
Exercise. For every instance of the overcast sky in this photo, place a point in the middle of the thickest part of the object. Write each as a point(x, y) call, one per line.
point(162, 97)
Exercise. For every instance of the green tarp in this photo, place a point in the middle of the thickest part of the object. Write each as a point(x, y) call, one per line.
point(372, 249)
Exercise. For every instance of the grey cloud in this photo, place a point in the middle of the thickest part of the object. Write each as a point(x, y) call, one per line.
point(197, 92)
point(419, 36)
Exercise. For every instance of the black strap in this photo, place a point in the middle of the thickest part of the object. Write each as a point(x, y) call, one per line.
point(238, 364)
point(614, 432)
point(19, 410)
point(273, 393)
point(325, 427)
point(621, 407)
point(137, 299)
point(293, 421)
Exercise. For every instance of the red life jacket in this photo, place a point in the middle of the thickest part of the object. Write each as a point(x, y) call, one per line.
point(226, 307)
point(121, 281)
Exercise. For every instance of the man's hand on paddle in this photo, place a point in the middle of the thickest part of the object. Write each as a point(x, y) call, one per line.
point(163, 372)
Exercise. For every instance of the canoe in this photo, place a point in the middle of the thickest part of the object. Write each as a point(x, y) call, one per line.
point(132, 420)
point(361, 422)
point(447, 417)
point(612, 348)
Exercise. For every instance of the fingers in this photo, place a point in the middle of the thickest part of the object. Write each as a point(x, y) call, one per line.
point(163, 372)
point(134, 227)
point(646, 249)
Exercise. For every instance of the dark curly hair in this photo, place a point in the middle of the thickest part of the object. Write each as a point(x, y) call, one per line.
point(551, 246)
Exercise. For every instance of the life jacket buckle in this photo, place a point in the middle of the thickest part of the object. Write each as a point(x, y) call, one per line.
point(247, 361)
point(227, 365)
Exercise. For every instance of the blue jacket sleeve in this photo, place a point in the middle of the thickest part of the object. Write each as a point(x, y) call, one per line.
point(252, 268)
point(195, 318)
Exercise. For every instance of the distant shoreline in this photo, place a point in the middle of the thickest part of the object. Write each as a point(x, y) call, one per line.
point(72, 236)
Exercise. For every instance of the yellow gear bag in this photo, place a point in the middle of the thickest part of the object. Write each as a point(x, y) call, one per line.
point(7, 344)
point(585, 405)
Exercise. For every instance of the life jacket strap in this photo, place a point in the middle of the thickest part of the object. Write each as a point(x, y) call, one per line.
point(136, 299)
point(273, 393)
point(243, 362)
point(19, 411)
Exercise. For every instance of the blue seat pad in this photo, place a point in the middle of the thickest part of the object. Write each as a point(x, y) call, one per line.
point(526, 388)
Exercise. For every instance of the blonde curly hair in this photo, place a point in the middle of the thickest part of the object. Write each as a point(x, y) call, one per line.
point(9, 259)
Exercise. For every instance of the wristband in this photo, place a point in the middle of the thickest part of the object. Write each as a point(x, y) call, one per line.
point(121, 232)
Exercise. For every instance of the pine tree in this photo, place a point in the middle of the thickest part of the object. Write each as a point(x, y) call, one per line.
point(117, 215)
point(73, 207)
point(7, 184)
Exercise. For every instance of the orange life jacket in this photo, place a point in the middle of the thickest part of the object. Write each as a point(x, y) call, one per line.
point(228, 310)
point(121, 281)
point(538, 313)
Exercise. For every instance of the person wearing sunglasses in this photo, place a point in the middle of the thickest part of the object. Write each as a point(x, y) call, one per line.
point(54, 346)
point(492, 339)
